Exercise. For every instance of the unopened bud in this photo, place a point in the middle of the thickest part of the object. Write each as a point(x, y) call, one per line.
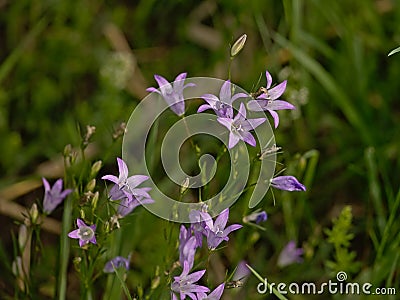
point(95, 199)
point(22, 236)
point(91, 185)
point(34, 214)
point(95, 168)
point(185, 185)
point(238, 45)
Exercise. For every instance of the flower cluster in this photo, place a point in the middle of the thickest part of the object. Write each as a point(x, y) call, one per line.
point(190, 239)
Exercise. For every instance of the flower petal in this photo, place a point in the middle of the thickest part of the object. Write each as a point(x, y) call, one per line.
point(74, 234)
point(203, 108)
point(279, 105)
point(161, 80)
point(123, 169)
point(222, 219)
point(257, 105)
point(80, 223)
point(226, 122)
point(269, 79)
point(135, 180)
point(153, 90)
point(275, 116)
point(239, 95)
point(231, 228)
point(233, 140)
point(111, 178)
point(225, 93)
point(277, 91)
point(248, 138)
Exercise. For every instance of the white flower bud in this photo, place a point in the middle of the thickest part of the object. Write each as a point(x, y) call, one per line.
point(238, 45)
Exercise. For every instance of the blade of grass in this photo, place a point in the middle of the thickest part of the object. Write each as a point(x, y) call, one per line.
point(326, 80)
point(14, 57)
point(374, 188)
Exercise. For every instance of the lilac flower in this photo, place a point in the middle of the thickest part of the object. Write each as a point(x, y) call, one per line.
point(84, 233)
point(216, 231)
point(214, 295)
point(53, 196)
point(187, 247)
point(257, 217)
point(289, 255)
point(239, 127)
point(185, 284)
point(269, 99)
point(116, 262)
point(172, 93)
point(222, 105)
point(287, 183)
point(127, 184)
point(198, 225)
point(125, 190)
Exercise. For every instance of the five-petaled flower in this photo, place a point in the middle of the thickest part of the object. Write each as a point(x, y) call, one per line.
point(84, 233)
point(289, 255)
point(222, 105)
point(269, 101)
point(126, 190)
point(53, 196)
point(172, 93)
point(287, 183)
point(216, 231)
point(239, 127)
point(185, 284)
point(115, 263)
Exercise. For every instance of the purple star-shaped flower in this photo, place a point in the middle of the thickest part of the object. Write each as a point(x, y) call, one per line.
point(128, 184)
point(216, 231)
point(216, 294)
point(185, 284)
point(84, 233)
point(172, 93)
point(115, 263)
point(222, 105)
point(239, 127)
point(287, 183)
point(289, 255)
point(53, 196)
point(126, 190)
point(269, 99)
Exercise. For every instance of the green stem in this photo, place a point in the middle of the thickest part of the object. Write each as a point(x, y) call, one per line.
point(64, 249)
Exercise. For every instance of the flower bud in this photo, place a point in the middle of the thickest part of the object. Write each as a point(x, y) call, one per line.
point(34, 214)
point(185, 185)
point(238, 45)
point(95, 168)
point(95, 199)
point(22, 236)
point(91, 185)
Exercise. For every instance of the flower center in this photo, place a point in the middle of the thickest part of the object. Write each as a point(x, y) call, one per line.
point(219, 232)
point(236, 128)
point(85, 233)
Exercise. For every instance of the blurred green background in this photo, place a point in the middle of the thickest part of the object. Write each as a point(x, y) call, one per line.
point(68, 64)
